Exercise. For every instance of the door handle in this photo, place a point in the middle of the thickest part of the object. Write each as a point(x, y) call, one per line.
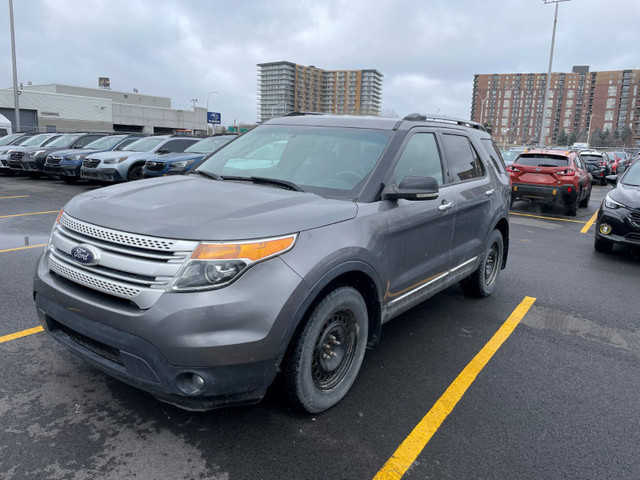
point(445, 206)
point(488, 193)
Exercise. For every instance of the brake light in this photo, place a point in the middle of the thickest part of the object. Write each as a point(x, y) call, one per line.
point(567, 173)
point(569, 190)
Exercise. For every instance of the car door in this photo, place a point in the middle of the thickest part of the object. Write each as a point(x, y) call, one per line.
point(474, 193)
point(417, 242)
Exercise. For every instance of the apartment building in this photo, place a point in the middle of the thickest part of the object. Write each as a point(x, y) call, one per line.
point(579, 103)
point(285, 87)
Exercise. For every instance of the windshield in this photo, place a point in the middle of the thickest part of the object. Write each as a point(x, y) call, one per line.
point(7, 139)
point(333, 162)
point(63, 141)
point(105, 143)
point(632, 175)
point(37, 140)
point(542, 160)
point(143, 145)
point(208, 145)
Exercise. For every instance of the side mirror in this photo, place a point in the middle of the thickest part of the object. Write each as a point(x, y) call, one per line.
point(612, 179)
point(412, 188)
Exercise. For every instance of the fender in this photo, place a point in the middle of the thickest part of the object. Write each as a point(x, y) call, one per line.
point(326, 279)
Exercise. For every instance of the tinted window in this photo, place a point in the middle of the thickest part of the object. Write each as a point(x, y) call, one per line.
point(173, 146)
point(591, 158)
point(494, 154)
point(420, 158)
point(542, 160)
point(632, 176)
point(462, 159)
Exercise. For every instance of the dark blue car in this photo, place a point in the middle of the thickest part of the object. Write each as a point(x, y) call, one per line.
point(67, 163)
point(178, 163)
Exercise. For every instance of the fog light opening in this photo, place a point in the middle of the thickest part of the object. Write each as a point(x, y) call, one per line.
point(605, 229)
point(191, 383)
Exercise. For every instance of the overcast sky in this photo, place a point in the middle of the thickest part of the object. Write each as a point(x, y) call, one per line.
point(427, 50)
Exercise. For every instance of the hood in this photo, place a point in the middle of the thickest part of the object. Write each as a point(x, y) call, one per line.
point(178, 157)
point(76, 151)
point(196, 208)
point(627, 195)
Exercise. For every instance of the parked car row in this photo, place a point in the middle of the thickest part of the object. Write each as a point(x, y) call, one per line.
point(104, 157)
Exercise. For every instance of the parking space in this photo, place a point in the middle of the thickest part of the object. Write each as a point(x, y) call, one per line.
point(449, 393)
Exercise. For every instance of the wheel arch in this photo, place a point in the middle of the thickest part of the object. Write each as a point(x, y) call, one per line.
point(358, 275)
point(502, 225)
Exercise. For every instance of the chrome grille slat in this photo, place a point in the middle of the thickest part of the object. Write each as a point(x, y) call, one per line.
point(131, 266)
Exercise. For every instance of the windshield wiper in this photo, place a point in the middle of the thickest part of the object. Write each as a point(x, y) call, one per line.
point(266, 181)
point(211, 175)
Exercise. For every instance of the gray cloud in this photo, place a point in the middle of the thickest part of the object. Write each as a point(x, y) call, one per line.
point(427, 51)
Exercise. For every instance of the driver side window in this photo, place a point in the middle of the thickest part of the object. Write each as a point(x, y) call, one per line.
point(420, 158)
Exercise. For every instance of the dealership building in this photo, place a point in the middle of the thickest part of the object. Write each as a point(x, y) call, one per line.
point(61, 108)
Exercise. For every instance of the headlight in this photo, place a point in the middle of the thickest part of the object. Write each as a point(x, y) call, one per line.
point(114, 160)
point(181, 164)
point(611, 203)
point(55, 224)
point(215, 265)
point(76, 157)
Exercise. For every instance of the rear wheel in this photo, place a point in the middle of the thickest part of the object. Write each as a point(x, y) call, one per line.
point(482, 282)
point(602, 246)
point(585, 202)
point(572, 206)
point(603, 181)
point(325, 355)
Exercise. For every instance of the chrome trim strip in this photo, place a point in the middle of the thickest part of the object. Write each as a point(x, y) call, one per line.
point(425, 285)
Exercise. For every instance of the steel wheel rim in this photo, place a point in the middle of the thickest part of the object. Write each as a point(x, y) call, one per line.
point(334, 350)
point(491, 266)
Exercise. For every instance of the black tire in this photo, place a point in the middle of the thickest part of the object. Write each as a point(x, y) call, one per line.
point(585, 202)
point(326, 352)
point(602, 246)
point(69, 179)
point(135, 173)
point(572, 207)
point(483, 281)
point(34, 174)
point(603, 181)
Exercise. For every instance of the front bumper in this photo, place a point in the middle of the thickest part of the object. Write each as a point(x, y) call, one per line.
point(146, 173)
point(625, 230)
point(101, 174)
point(230, 337)
point(560, 194)
point(63, 170)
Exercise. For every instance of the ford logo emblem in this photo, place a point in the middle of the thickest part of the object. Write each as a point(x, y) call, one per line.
point(85, 255)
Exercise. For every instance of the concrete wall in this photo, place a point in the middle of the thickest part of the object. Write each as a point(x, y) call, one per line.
point(150, 117)
point(115, 96)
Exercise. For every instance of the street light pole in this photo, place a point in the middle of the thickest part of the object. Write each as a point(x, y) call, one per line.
point(214, 127)
point(15, 69)
point(548, 82)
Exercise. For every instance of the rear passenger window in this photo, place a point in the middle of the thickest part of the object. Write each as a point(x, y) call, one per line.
point(420, 158)
point(463, 160)
point(496, 158)
point(173, 146)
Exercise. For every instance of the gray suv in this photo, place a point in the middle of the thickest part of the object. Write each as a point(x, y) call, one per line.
point(200, 288)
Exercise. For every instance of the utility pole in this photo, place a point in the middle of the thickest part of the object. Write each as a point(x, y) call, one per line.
point(548, 82)
point(15, 70)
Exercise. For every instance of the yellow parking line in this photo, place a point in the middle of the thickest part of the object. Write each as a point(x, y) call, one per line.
point(15, 196)
point(23, 248)
point(413, 445)
point(25, 214)
point(23, 333)
point(586, 228)
point(546, 218)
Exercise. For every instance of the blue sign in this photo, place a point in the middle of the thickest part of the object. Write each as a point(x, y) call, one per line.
point(214, 117)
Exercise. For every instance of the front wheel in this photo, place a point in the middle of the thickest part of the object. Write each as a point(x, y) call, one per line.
point(585, 202)
point(135, 173)
point(482, 282)
point(326, 353)
point(572, 206)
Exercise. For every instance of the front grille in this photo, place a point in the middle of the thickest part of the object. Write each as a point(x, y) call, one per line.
point(17, 156)
point(155, 166)
point(131, 266)
point(53, 160)
point(90, 162)
point(635, 215)
point(633, 236)
point(105, 351)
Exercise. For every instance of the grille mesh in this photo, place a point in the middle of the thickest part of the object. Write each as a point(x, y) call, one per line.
point(90, 162)
point(114, 236)
point(112, 288)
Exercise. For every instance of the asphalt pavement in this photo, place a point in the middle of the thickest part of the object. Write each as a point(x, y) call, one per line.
point(558, 399)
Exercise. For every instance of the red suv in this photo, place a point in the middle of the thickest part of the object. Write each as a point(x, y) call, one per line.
point(555, 176)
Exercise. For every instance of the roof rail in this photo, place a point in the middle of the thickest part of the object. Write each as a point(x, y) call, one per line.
point(418, 117)
point(301, 113)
